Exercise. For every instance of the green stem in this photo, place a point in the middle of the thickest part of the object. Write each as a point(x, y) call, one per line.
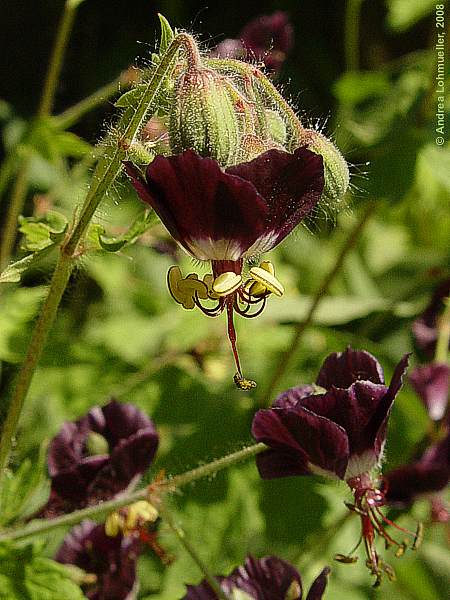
point(170, 485)
point(352, 23)
point(441, 352)
point(321, 292)
point(106, 172)
point(15, 208)
point(57, 57)
point(179, 532)
point(19, 191)
point(74, 113)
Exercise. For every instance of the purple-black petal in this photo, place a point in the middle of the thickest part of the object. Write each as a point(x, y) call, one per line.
point(291, 185)
point(289, 398)
point(112, 559)
point(378, 424)
point(425, 326)
point(268, 578)
point(197, 200)
point(269, 38)
point(317, 589)
point(79, 479)
point(308, 438)
point(430, 473)
point(341, 369)
point(431, 383)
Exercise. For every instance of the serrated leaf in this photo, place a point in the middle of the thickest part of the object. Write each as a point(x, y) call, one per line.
point(13, 273)
point(25, 575)
point(20, 490)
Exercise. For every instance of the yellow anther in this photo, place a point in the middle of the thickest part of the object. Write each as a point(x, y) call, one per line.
point(267, 266)
point(267, 280)
point(256, 288)
point(294, 591)
point(139, 513)
point(242, 383)
point(208, 280)
point(114, 524)
point(191, 285)
point(227, 283)
point(174, 279)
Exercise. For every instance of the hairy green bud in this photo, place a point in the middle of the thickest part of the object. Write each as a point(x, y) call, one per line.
point(336, 173)
point(203, 117)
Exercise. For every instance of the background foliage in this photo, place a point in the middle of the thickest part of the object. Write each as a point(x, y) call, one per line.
point(119, 334)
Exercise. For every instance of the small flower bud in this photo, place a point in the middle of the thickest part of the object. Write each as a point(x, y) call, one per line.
point(96, 444)
point(336, 172)
point(203, 117)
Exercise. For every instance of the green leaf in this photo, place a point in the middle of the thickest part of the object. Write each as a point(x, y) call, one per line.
point(403, 14)
point(113, 244)
point(355, 87)
point(43, 231)
point(167, 34)
point(24, 491)
point(131, 97)
point(25, 575)
point(17, 309)
point(13, 273)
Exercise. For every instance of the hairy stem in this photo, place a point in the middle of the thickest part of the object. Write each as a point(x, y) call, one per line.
point(321, 292)
point(179, 532)
point(169, 485)
point(57, 57)
point(15, 208)
point(106, 172)
point(74, 113)
point(441, 352)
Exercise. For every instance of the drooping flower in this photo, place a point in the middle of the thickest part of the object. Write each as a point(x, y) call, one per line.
point(431, 383)
point(98, 456)
point(340, 432)
point(225, 215)
point(425, 327)
point(268, 578)
point(428, 474)
point(109, 562)
point(268, 38)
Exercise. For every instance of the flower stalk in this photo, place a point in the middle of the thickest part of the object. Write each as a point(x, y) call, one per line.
point(169, 485)
point(108, 168)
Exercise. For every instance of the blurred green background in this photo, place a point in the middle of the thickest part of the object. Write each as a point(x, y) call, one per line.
point(119, 333)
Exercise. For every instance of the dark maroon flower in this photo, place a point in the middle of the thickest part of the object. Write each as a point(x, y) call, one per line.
point(227, 215)
point(268, 38)
point(428, 474)
point(425, 328)
point(431, 383)
point(109, 562)
point(340, 432)
point(98, 456)
point(268, 578)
